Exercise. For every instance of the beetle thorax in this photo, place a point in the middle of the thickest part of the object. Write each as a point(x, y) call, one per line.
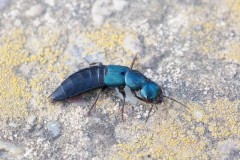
point(138, 82)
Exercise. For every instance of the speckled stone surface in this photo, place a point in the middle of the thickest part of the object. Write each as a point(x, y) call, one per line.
point(189, 47)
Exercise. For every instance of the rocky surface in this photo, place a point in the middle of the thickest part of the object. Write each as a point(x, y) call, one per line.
point(190, 48)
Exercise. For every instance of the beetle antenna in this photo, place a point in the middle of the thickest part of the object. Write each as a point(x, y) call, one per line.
point(176, 101)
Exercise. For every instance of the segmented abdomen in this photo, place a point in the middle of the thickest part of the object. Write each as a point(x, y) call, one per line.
point(80, 82)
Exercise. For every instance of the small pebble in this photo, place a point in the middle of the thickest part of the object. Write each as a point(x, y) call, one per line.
point(35, 153)
point(31, 120)
point(35, 11)
point(145, 114)
point(90, 59)
point(15, 135)
point(18, 23)
point(10, 138)
point(139, 116)
point(36, 22)
point(50, 2)
point(77, 51)
point(54, 128)
point(198, 114)
point(199, 28)
point(101, 9)
point(49, 18)
point(119, 5)
point(13, 125)
point(25, 70)
point(132, 44)
point(100, 56)
point(14, 13)
point(12, 148)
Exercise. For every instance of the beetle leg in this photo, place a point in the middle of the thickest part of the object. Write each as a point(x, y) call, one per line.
point(121, 90)
point(135, 57)
point(95, 64)
point(95, 101)
point(149, 113)
point(135, 95)
point(140, 98)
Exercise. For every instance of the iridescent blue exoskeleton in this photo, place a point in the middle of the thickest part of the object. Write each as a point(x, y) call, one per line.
point(99, 76)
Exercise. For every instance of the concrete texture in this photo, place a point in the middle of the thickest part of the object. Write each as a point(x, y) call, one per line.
point(189, 47)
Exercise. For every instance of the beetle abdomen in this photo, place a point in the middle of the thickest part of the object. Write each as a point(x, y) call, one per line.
point(80, 82)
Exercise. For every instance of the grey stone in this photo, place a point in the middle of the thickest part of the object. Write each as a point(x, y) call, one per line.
point(31, 120)
point(54, 129)
point(11, 148)
point(35, 11)
point(31, 123)
point(13, 124)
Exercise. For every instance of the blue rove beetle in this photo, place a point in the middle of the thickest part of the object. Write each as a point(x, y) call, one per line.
point(99, 76)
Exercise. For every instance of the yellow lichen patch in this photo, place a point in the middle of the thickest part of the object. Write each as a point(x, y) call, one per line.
point(49, 67)
point(234, 8)
point(110, 40)
point(204, 37)
point(44, 64)
point(223, 119)
point(168, 140)
point(180, 137)
point(212, 34)
point(14, 92)
point(207, 43)
point(22, 92)
point(232, 52)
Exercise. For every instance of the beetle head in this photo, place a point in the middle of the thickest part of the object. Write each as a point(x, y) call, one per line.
point(152, 93)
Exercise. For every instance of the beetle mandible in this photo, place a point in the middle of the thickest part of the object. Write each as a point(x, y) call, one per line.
point(99, 76)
